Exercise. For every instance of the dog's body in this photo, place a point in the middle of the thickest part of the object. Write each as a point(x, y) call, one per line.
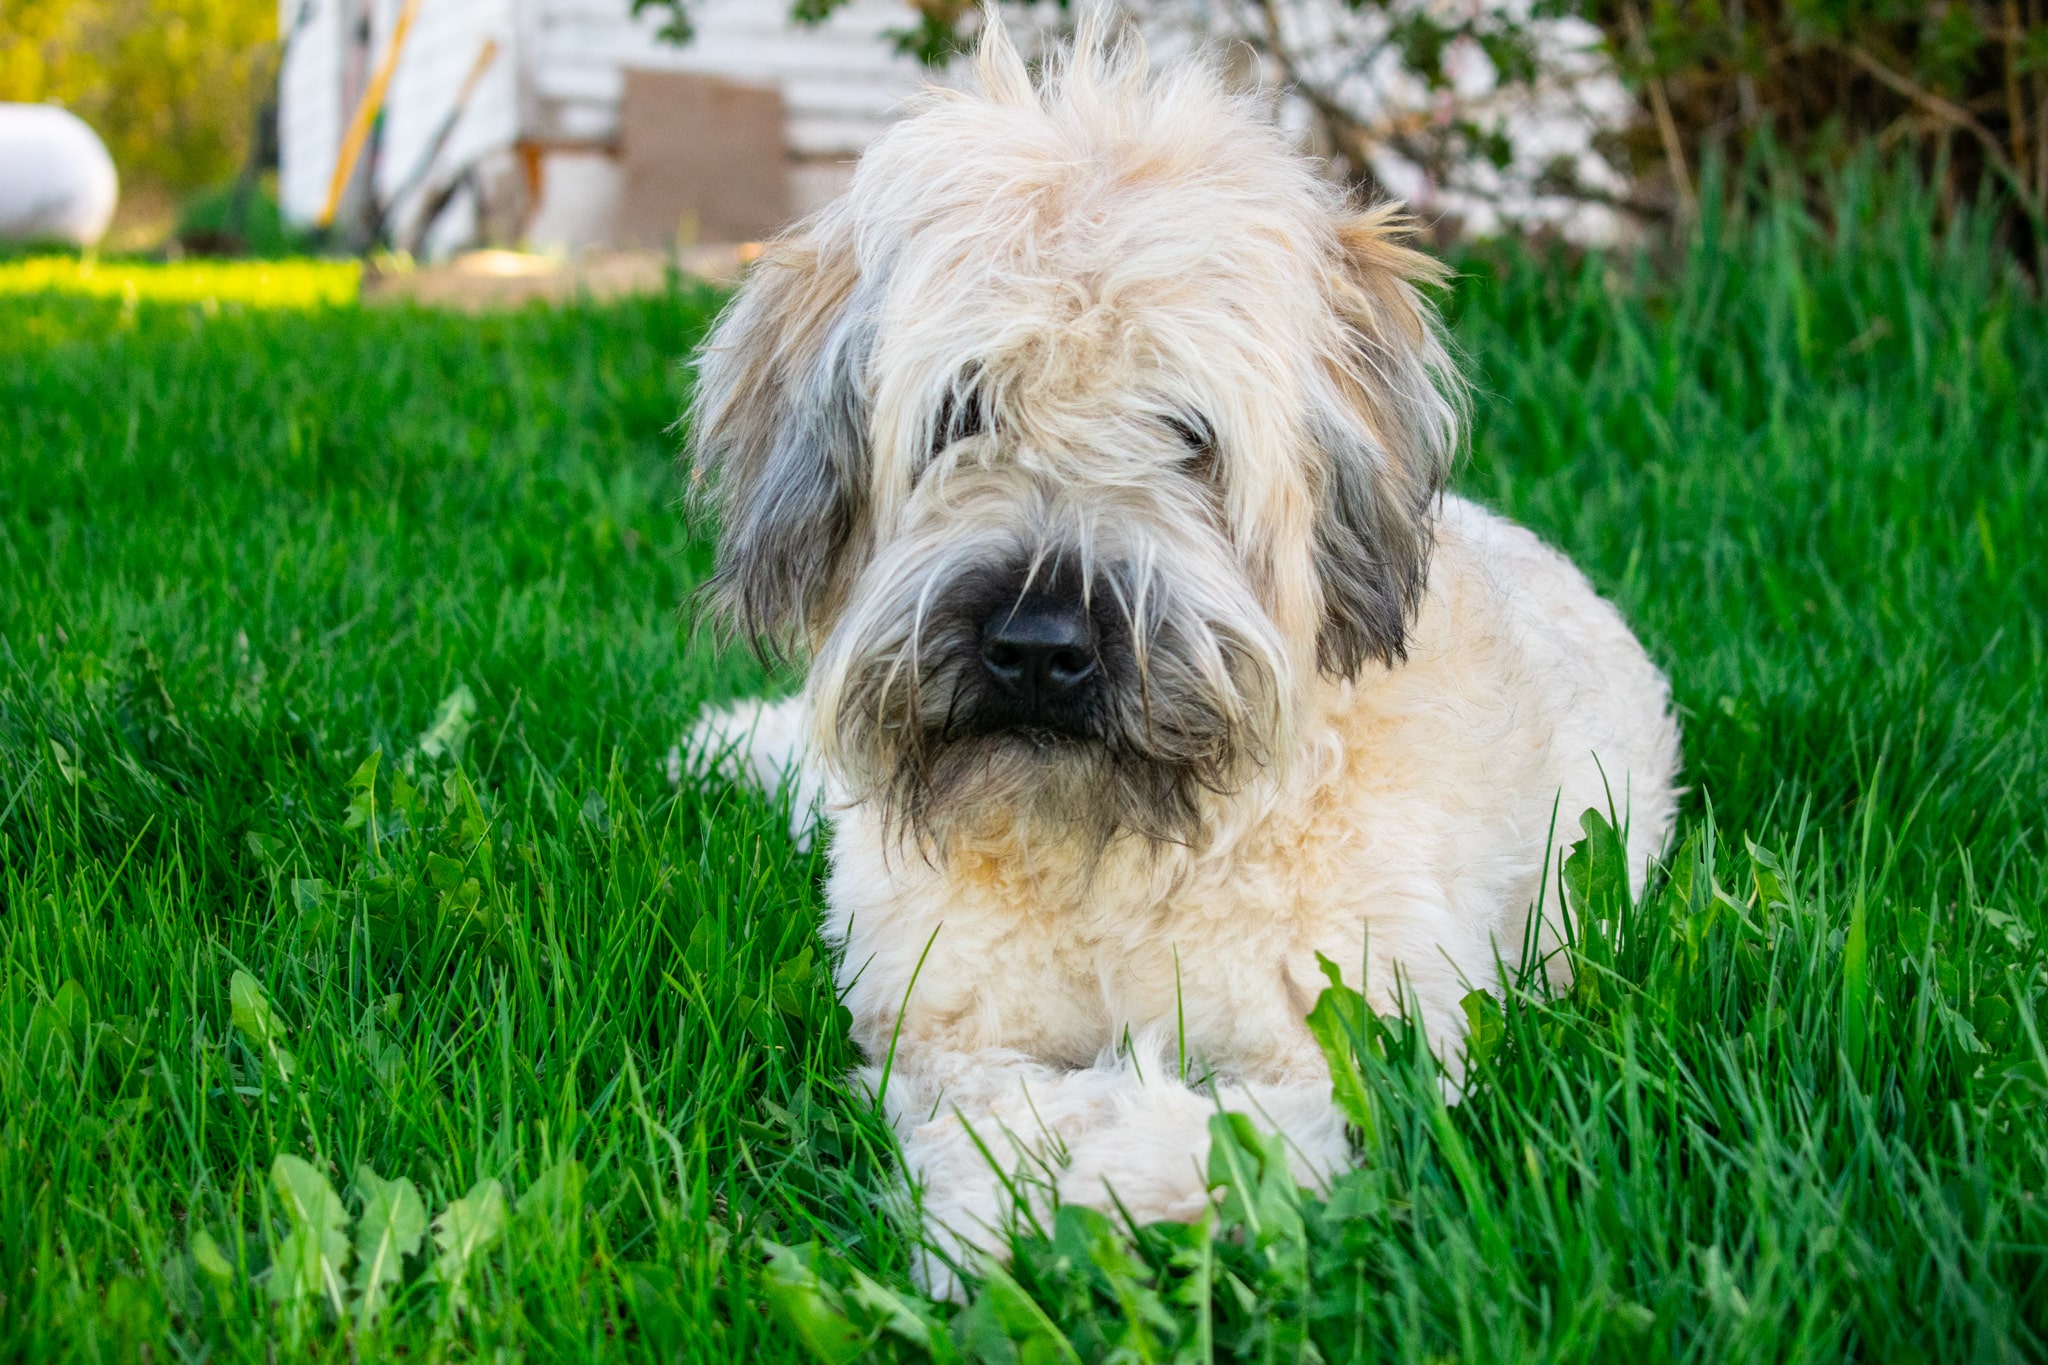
point(1148, 661)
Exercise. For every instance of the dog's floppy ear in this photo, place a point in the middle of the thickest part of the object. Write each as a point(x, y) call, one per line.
point(1386, 438)
point(779, 437)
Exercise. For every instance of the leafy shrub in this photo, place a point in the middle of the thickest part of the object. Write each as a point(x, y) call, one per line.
point(238, 219)
point(1963, 83)
point(170, 85)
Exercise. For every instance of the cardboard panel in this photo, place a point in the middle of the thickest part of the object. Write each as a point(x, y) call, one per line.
point(703, 160)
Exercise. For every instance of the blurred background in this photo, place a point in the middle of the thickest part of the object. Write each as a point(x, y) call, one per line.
point(612, 131)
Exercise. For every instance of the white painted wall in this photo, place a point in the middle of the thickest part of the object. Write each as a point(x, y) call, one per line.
point(445, 40)
point(309, 114)
point(838, 80)
point(443, 43)
point(579, 201)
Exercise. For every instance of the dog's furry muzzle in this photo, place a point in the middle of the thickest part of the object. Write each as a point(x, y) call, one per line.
point(1180, 696)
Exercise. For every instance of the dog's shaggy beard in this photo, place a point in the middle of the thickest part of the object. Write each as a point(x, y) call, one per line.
point(1186, 702)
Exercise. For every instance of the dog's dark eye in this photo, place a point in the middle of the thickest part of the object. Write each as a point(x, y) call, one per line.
point(1194, 434)
point(959, 418)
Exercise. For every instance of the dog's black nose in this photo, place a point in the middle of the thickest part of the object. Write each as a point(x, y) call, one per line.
point(1041, 649)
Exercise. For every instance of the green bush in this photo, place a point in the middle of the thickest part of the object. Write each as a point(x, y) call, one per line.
point(171, 85)
point(239, 219)
point(1963, 84)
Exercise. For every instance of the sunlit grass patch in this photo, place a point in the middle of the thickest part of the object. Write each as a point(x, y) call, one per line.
point(259, 284)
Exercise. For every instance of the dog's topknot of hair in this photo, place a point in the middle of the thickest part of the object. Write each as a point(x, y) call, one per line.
point(1107, 55)
point(1094, 112)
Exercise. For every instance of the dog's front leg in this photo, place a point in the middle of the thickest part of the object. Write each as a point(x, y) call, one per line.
point(1152, 1161)
point(765, 745)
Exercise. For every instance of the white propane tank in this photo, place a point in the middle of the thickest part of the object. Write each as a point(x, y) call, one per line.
point(57, 183)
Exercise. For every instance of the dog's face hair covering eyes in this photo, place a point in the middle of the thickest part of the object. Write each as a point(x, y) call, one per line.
point(1071, 448)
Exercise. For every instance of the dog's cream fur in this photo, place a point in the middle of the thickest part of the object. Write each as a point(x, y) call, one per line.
point(1348, 708)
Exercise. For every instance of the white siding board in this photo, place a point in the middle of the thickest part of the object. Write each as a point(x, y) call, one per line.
point(827, 139)
point(590, 81)
point(586, 122)
point(309, 116)
point(825, 94)
point(843, 65)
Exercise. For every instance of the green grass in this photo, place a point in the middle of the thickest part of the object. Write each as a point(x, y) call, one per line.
point(1797, 1108)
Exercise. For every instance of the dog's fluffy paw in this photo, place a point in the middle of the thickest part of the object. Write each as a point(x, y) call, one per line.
point(760, 744)
point(1152, 1161)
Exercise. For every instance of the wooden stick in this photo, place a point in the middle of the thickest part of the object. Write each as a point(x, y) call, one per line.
point(1956, 117)
point(2015, 107)
point(1660, 106)
point(2040, 84)
point(365, 115)
point(485, 55)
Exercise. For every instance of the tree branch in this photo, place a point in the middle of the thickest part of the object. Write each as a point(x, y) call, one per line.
point(1660, 108)
point(1956, 116)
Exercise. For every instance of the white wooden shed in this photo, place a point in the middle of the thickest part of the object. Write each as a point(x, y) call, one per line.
point(541, 145)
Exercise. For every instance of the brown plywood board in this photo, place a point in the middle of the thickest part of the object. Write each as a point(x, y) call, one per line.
point(704, 160)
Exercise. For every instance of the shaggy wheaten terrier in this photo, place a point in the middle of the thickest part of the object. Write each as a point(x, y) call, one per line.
point(1090, 450)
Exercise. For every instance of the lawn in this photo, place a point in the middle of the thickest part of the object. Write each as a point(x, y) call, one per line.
point(368, 989)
